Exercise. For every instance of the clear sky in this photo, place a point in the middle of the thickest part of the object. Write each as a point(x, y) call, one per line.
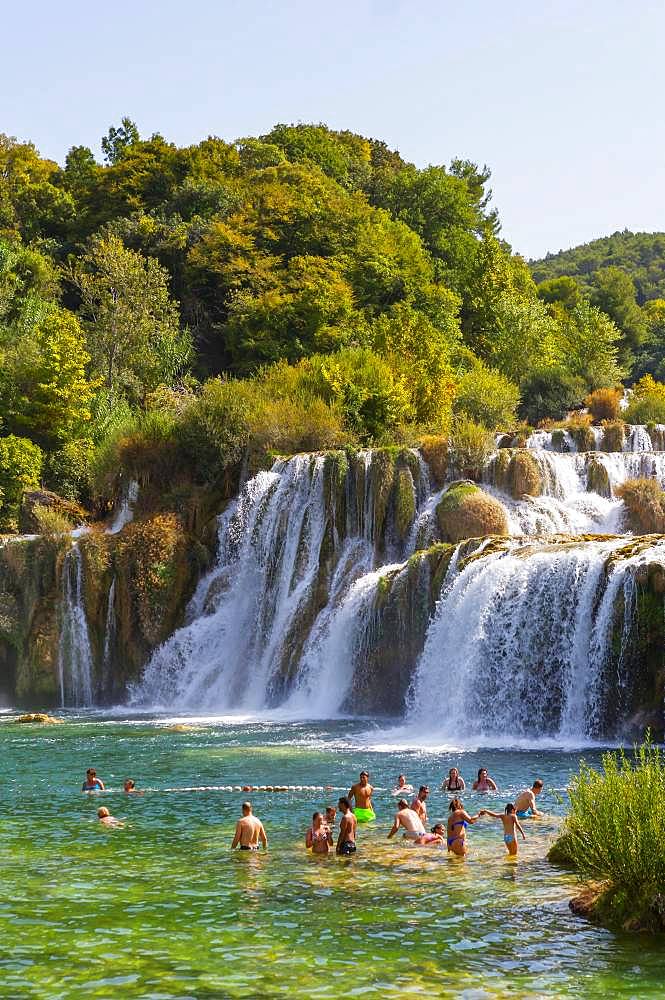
point(562, 99)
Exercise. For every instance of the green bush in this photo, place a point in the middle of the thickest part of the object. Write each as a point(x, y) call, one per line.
point(647, 405)
point(51, 522)
point(549, 394)
point(214, 430)
point(488, 397)
point(614, 830)
point(67, 471)
point(20, 470)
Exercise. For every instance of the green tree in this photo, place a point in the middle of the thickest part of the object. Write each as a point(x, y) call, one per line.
point(614, 292)
point(32, 200)
point(118, 139)
point(132, 324)
point(589, 347)
point(20, 470)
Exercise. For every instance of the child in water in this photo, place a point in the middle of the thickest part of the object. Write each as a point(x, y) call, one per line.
point(106, 819)
point(510, 824)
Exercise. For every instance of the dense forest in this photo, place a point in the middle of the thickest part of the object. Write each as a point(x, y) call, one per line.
point(172, 314)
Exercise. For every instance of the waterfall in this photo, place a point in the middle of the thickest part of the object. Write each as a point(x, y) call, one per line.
point(75, 661)
point(520, 642)
point(125, 513)
point(109, 638)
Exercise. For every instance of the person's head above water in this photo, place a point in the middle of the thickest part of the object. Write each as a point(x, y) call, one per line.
point(423, 792)
point(317, 817)
point(482, 773)
point(91, 773)
point(510, 808)
point(344, 803)
point(130, 784)
point(331, 812)
point(537, 786)
point(453, 774)
point(103, 812)
point(455, 804)
point(401, 780)
point(437, 828)
point(402, 804)
point(246, 808)
point(364, 777)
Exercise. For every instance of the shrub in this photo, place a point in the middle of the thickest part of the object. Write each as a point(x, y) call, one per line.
point(551, 392)
point(214, 430)
point(67, 471)
point(434, 449)
point(471, 446)
point(613, 435)
point(20, 470)
point(603, 404)
point(579, 428)
point(614, 832)
point(291, 425)
point(51, 522)
point(647, 404)
point(487, 397)
point(645, 502)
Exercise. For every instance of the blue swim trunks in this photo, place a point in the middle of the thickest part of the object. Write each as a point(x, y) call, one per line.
point(523, 813)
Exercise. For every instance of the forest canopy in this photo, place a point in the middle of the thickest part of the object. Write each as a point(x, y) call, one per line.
point(301, 289)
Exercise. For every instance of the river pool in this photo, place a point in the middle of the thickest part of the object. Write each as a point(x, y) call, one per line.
point(162, 909)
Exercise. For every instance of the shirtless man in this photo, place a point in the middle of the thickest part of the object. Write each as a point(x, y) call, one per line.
point(249, 831)
point(361, 793)
point(401, 788)
point(346, 842)
point(409, 819)
point(418, 805)
point(525, 803)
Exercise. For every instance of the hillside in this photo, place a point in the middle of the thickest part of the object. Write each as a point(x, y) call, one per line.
point(642, 255)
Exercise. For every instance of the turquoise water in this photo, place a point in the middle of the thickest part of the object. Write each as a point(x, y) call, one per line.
point(162, 909)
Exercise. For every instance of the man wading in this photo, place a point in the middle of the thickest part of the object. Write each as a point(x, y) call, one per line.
point(346, 842)
point(249, 831)
point(361, 793)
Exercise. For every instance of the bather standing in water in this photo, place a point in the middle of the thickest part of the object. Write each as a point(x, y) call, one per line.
point(319, 837)
point(454, 782)
point(346, 842)
point(510, 824)
point(249, 831)
point(525, 803)
point(483, 782)
point(458, 821)
point(419, 804)
point(361, 793)
point(92, 783)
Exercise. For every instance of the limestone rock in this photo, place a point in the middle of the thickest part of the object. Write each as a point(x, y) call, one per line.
point(466, 511)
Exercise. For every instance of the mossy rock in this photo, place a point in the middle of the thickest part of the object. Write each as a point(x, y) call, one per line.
point(39, 718)
point(583, 437)
point(466, 511)
point(614, 432)
point(500, 466)
point(559, 440)
point(32, 502)
point(405, 502)
point(524, 476)
point(598, 479)
point(434, 449)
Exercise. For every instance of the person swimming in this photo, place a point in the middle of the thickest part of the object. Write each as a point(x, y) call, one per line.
point(483, 782)
point(454, 782)
point(402, 788)
point(92, 783)
point(525, 803)
point(319, 837)
point(331, 816)
point(130, 788)
point(510, 824)
point(361, 793)
point(458, 821)
point(106, 819)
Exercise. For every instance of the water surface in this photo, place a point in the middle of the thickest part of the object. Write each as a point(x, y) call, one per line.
point(162, 909)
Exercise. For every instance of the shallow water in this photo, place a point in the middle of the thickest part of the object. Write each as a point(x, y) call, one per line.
point(162, 909)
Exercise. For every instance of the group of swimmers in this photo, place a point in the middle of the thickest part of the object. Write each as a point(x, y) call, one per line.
point(250, 834)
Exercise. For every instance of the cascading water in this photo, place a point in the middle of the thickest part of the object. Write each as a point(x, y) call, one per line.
point(109, 638)
point(75, 661)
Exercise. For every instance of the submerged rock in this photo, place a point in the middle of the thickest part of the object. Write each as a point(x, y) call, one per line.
point(466, 511)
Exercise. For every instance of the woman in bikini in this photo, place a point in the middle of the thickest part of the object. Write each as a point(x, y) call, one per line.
point(458, 821)
point(483, 782)
point(319, 837)
point(454, 782)
point(510, 824)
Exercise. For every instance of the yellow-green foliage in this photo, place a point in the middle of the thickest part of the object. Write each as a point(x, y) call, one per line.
point(20, 470)
point(614, 833)
point(51, 521)
point(488, 397)
point(647, 404)
point(579, 426)
point(613, 435)
point(466, 511)
point(603, 404)
point(471, 446)
point(645, 502)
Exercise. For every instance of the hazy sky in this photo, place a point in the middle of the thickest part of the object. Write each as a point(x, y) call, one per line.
point(562, 99)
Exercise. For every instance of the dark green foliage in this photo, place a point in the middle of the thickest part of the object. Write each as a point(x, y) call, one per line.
point(549, 393)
